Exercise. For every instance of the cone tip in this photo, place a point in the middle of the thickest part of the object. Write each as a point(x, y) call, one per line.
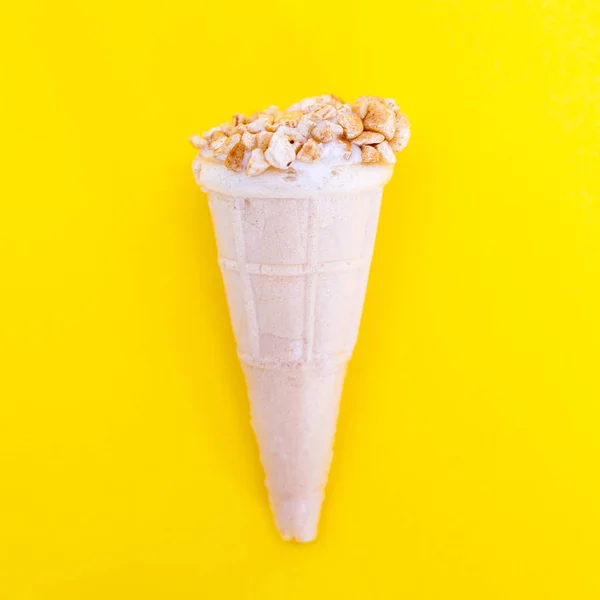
point(297, 518)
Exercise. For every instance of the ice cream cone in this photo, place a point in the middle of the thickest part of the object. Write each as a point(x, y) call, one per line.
point(295, 223)
point(295, 270)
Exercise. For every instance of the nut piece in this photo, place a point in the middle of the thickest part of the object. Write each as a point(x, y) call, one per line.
point(387, 154)
point(402, 135)
point(324, 131)
point(263, 115)
point(323, 112)
point(228, 128)
point(257, 125)
point(361, 105)
point(368, 137)
point(280, 152)
point(310, 152)
point(292, 133)
point(305, 126)
point(238, 119)
point(402, 121)
point(291, 118)
point(256, 163)
point(218, 138)
point(235, 158)
point(211, 132)
point(380, 118)
point(351, 123)
point(263, 139)
point(226, 147)
point(249, 140)
point(370, 155)
point(198, 142)
point(321, 132)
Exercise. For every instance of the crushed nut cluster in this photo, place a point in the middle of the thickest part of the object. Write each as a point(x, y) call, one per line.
point(274, 138)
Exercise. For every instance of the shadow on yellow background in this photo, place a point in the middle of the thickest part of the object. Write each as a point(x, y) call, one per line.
point(467, 455)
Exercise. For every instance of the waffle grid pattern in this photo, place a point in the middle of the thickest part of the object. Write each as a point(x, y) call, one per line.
point(295, 272)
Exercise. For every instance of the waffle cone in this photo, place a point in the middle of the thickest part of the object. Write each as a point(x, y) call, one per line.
point(295, 271)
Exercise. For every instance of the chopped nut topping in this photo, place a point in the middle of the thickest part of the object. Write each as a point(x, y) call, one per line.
point(274, 139)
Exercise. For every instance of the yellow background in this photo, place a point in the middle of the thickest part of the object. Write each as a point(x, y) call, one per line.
point(468, 452)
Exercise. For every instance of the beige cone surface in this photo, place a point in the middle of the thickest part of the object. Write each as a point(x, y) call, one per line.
point(295, 272)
